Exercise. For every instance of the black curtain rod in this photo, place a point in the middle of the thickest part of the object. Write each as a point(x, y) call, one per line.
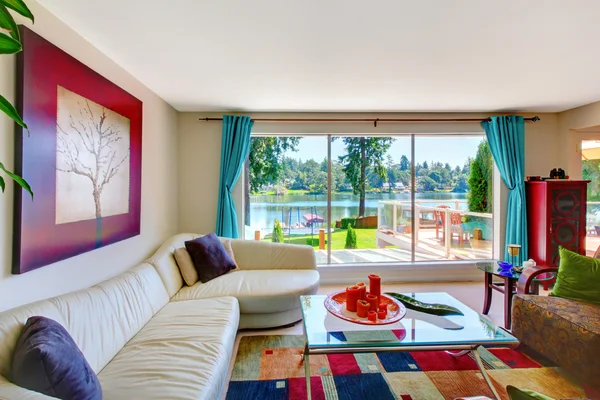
point(373, 120)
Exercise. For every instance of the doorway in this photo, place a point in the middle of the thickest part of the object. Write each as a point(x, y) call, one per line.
point(590, 170)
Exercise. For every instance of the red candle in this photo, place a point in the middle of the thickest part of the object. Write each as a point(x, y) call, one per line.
point(363, 308)
point(352, 296)
point(382, 314)
point(363, 290)
point(375, 285)
point(373, 301)
point(372, 316)
point(382, 307)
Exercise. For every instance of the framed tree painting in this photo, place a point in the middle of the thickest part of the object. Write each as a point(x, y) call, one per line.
point(82, 157)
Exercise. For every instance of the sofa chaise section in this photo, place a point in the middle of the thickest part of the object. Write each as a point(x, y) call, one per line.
point(268, 282)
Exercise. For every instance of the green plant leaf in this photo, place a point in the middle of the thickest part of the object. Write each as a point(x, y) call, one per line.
point(19, 6)
point(20, 181)
point(7, 22)
point(9, 45)
point(12, 112)
point(2, 184)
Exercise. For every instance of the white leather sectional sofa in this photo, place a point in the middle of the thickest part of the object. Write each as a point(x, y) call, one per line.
point(148, 336)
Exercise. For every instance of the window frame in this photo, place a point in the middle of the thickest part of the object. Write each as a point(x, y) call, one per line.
point(438, 270)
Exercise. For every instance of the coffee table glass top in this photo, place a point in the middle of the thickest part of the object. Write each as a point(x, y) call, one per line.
point(323, 329)
point(492, 267)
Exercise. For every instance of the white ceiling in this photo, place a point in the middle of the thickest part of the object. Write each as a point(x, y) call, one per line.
point(351, 55)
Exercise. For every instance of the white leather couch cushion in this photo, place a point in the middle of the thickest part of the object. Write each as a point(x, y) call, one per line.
point(258, 292)
point(101, 319)
point(250, 255)
point(182, 353)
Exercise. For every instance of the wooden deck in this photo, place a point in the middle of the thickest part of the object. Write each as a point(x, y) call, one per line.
point(397, 248)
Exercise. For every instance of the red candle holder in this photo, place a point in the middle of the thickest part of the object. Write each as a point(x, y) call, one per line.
point(375, 285)
point(363, 308)
point(373, 301)
point(363, 290)
point(352, 297)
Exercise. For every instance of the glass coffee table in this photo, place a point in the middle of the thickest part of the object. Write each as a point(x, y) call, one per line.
point(457, 334)
point(507, 286)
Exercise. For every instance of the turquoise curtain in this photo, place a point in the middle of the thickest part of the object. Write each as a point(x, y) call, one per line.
point(506, 137)
point(235, 146)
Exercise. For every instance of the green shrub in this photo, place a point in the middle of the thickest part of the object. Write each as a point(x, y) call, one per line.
point(314, 242)
point(347, 222)
point(350, 238)
point(277, 236)
point(480, 180)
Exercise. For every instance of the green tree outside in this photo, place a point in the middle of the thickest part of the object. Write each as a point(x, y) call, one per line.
point(362, 152)
point(277, 236)
point(265, 164)
point(350, 238)
point(480, 180)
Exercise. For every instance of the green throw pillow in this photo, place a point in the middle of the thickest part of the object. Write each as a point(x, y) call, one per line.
point(524, 394)
point(578, 277)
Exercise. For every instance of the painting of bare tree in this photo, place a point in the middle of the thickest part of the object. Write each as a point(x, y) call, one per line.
point(92, 160)
point(83, 158)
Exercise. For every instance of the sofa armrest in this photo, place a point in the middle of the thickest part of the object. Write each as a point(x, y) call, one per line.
point(251, 254)
point(529, 274)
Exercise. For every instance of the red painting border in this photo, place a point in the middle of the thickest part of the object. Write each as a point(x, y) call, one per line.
point(38, 241)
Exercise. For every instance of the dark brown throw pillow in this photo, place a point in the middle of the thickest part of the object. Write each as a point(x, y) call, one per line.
point(209, 257)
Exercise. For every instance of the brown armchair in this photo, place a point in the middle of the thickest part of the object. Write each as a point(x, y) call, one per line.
point(565, 331)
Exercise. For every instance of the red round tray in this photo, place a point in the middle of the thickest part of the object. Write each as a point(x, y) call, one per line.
point(335, 303)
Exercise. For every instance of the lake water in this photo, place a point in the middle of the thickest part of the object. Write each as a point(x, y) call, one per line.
point(265, 209)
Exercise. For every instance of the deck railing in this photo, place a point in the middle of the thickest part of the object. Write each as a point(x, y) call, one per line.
point(401, 214)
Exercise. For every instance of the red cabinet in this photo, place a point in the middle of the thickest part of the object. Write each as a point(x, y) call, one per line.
point(556, 216)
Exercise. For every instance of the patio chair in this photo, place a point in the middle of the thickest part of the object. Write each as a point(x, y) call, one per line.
point(456, 225)
point(440, 221)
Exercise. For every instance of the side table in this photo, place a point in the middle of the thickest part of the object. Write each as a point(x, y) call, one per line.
point(507, 286)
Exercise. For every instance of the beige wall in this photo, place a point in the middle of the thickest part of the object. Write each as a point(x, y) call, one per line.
point(200, 146)
point(574, 126)
point(159, 180)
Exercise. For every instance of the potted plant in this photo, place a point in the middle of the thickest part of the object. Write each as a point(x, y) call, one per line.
point(404, 226)
point(11, 44)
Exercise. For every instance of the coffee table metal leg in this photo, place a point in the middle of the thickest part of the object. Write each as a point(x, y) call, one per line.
point(459, 353)
point(485, 375)
point(306, 361)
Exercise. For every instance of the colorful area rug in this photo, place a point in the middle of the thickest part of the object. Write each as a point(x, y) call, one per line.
point(270, 368)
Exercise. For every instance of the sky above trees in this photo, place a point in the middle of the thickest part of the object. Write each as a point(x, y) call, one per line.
point(454, 150)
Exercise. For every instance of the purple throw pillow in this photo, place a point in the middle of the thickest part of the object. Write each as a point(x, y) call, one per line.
point(209, 257)
point(47, 360)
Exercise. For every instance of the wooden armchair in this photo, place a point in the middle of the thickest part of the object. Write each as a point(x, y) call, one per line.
point(526, 283)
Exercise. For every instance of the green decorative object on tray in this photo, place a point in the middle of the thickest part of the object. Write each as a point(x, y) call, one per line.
point(429, 308)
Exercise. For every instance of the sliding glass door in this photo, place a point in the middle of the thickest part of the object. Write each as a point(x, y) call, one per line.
point(372, 199)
